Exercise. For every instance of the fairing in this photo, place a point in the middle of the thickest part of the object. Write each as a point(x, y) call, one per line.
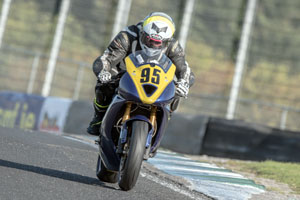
point(144, 72)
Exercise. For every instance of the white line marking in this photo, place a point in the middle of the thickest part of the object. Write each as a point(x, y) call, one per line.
point(81, 140)
point(169, 185)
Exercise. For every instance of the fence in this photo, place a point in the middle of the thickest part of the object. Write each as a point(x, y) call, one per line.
point(268, 93)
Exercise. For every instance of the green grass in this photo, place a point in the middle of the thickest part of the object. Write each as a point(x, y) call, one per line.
point(288, 173)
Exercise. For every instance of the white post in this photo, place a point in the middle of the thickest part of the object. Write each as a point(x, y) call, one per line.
point(34, 67)
point(78, 82)
point(188, 11)
point(241, 57)
point(121, 17)
point(4, 14)
point(283, 119)
point(55, 47)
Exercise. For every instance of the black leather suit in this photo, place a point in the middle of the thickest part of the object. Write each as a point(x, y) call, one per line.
point(112, 60)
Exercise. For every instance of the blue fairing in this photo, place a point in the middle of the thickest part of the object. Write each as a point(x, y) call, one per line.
point(108, 153)
point(127, 89)
point(167, 96)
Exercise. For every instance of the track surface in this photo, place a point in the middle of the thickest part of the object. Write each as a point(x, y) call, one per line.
point(38, 165)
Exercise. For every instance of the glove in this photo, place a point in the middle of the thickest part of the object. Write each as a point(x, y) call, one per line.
point(182, 88)
point(104, 76)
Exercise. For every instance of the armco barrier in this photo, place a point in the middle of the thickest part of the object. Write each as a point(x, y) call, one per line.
point(185, 133)
point(241, 140)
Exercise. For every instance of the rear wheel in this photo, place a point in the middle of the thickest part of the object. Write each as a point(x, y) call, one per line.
point(103, 174)
point(130, 165)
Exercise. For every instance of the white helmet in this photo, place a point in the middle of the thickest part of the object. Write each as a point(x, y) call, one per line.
point(157, 30)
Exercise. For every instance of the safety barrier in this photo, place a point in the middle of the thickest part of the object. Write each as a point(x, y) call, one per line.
point(185, 134)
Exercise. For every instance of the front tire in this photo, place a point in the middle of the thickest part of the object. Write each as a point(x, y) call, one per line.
point(103, 174)
point(130, 165)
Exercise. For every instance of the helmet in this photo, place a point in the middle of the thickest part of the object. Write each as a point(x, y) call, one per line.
point(157, 30)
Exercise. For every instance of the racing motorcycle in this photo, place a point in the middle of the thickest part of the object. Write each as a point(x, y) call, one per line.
point(136, 119)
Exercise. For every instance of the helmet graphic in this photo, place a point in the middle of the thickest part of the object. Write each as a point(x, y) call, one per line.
point(158, 28)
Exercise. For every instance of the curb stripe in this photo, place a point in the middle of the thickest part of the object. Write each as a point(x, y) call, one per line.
point(207, 178)
point(200, 172)
point(191, 165)
point(237, 181)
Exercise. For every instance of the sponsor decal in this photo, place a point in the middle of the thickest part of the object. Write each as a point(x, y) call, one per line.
point(20, 110)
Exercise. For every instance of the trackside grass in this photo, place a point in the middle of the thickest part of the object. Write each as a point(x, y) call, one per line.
point(288, 173)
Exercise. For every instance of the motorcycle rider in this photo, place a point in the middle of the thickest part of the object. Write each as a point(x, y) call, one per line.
point(153, 35)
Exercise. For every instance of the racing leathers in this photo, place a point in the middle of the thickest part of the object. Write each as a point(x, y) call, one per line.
point(112, 60)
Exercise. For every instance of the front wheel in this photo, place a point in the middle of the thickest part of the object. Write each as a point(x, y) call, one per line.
point(130, 165)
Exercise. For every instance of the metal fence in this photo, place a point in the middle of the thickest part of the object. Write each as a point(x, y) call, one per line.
point(268, 92)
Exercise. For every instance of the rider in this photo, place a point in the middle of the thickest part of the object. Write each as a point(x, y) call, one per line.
point(153, 35)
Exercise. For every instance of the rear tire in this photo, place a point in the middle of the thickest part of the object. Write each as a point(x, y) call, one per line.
point(130, 165)
point(103, 174)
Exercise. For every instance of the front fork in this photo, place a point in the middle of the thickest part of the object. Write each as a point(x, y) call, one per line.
point(154, 125)
point(122, 145)
point(126, 115)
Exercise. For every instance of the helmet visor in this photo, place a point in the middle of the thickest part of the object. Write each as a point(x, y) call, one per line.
point(152, 42)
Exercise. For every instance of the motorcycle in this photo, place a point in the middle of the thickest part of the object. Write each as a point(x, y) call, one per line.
point(136, 119)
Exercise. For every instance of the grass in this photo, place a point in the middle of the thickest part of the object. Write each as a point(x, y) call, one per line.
point(288, 173)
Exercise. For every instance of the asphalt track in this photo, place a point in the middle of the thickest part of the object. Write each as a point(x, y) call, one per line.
point(40, 165)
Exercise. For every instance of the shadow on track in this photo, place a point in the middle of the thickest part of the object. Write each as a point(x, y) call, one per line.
point(55, 173)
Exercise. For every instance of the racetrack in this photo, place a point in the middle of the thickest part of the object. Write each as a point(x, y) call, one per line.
point(40, 165)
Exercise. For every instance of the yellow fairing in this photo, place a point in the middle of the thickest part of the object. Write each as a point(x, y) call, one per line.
point(147, 74)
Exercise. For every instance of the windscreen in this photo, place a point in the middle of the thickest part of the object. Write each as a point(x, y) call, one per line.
point(140, 58)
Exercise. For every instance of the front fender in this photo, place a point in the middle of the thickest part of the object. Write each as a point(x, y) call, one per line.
point(123, 135)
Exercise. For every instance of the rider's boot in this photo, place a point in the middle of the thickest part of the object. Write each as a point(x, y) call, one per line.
point(94, 126)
